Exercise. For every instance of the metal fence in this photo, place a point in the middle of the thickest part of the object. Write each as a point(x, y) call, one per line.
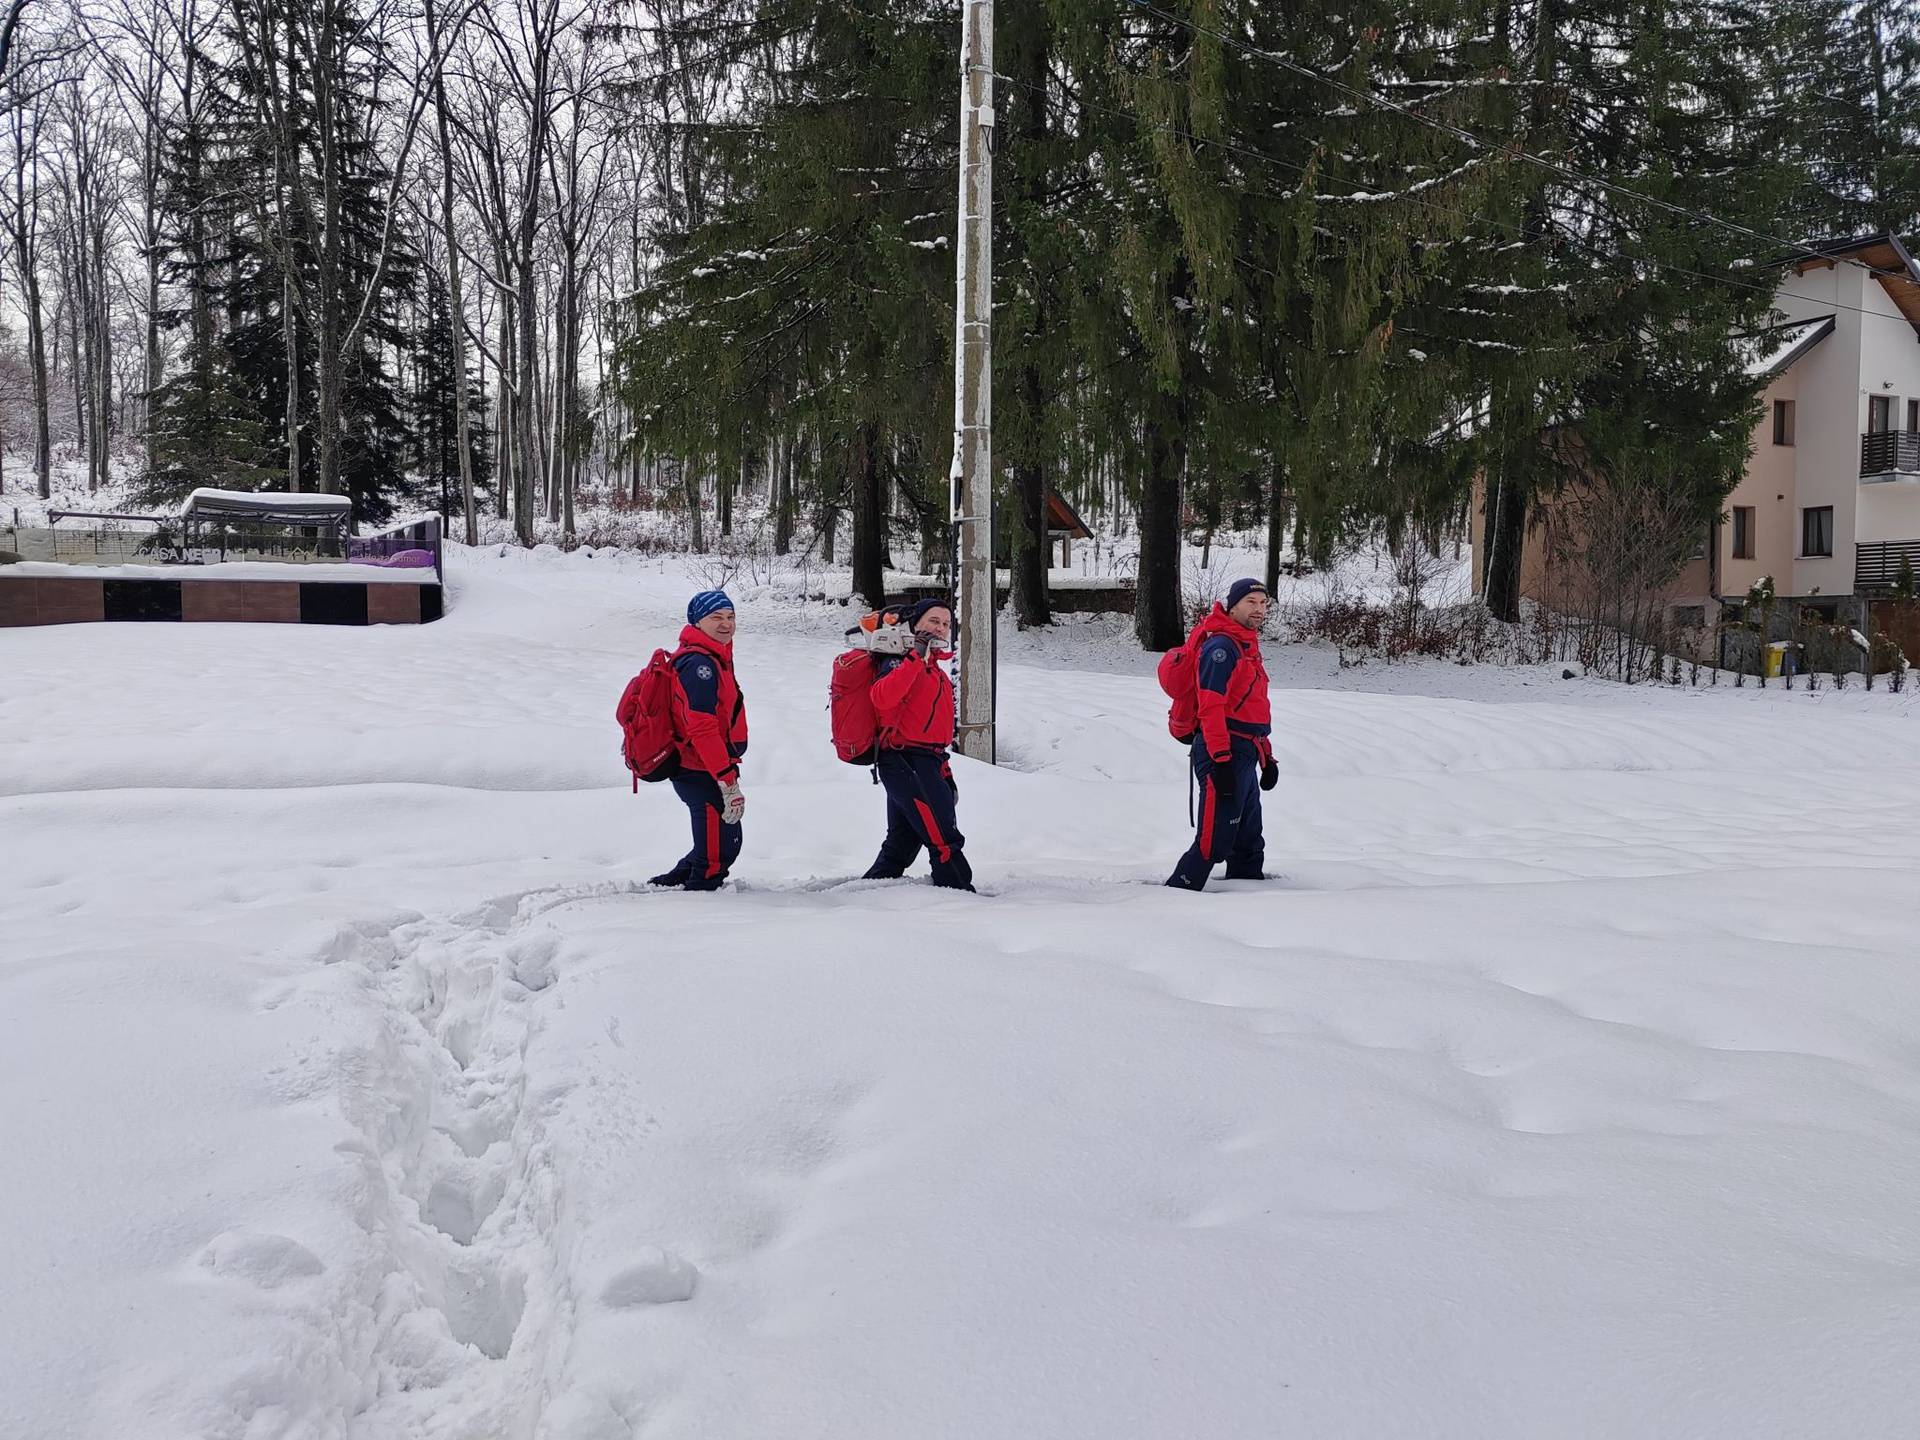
point(416, 545)
point(102, 546)
point(220, 541)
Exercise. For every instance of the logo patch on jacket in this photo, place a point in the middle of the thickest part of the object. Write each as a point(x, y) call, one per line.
point(705, 672)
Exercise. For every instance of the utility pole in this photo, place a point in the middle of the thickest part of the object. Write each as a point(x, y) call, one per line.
point(972, 474)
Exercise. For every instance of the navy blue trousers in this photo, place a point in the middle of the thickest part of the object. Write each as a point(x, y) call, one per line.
point(921, 798)
point(716, 845)
point(1228, 827)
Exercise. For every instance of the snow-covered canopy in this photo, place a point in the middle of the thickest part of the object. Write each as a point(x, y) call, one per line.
point(268, 506)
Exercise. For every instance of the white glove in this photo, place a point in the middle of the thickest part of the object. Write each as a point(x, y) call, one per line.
point(733, 803)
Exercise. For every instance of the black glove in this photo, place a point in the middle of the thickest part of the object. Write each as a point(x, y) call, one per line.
point(1269, 774)
point(925, 644)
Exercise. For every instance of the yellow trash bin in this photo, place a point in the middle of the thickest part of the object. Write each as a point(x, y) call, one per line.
point(1776, 659)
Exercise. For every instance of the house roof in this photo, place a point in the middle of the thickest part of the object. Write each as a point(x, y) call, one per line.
point(1892, 264)
point(1063, 517)
point(1783, 345)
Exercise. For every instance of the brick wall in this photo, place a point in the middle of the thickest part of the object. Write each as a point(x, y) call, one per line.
point(43, 600)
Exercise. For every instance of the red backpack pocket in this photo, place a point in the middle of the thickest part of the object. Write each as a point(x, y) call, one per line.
point(650, 724)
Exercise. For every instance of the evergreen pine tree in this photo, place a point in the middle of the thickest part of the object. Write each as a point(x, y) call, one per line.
point(1262, 230)
point(206, 432)
point(1854, 78)
point(261, 268)
point(1611, 322)
point(811, 283)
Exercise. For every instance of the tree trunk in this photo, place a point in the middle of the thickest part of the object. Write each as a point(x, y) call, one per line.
point(1506, 536)
point(456, 301)
point(1032, 546)
point(82, 411)
point(290, 330)
point(1277, 516)
point(42, 399)
point(783, 497)
point(869, 569)
point(566, 372)
point(327, 357)
point(98, 474)
point(153, 356)
point(526, 397)
point(552, 425)
point(829, 504)
point(506, 443)
point(1157, 617)
point(690, 474)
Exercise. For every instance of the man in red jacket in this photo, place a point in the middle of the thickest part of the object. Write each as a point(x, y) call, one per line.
point(913, 701)
point(1232, 755)
point(708, 782)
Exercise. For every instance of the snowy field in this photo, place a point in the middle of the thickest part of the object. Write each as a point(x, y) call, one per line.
point(1567, 1084)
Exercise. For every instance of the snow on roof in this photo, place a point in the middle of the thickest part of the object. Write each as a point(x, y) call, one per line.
point(1785, 344)
point(211, 501)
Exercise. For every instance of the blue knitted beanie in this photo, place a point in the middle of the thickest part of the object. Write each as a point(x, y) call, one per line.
point(705, 603)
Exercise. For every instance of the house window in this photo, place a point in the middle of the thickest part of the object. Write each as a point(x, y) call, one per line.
point(1743, 532)
point(1913, 414)
point(1783, 422)
point(1879, 414)
point(1816, 531)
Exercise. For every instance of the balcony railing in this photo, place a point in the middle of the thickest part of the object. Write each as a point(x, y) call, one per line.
point(1890, 452)
point(1876, 563)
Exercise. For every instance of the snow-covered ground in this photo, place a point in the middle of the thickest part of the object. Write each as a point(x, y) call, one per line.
point(1566, 1084)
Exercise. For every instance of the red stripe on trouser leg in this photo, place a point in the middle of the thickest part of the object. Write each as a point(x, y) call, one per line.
point(713, 842)
point(934, 837)
point(1206, 818)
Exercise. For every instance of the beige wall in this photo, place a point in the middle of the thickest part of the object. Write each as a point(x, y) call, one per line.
point(1768, 487)
point(1832, 415)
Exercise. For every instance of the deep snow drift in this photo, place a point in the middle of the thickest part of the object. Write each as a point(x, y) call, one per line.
point(1567, 1084)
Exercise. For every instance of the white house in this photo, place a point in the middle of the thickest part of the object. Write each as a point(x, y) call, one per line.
point(1830, 502)
point(1831, 498)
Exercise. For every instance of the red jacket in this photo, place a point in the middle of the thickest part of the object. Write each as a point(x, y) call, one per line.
point(913, 701)
point(1231, 680)
point(716, 713)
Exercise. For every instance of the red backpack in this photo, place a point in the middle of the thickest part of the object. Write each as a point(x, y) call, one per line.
point(856, 729)
point(1177, 679)
point(652, 713)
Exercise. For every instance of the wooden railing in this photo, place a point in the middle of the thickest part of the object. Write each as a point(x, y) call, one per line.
point(1890, 452)
point(1876, 563)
